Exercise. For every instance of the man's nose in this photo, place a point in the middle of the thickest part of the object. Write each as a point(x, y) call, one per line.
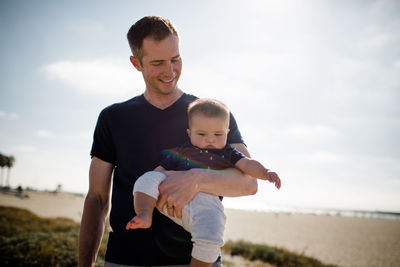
point(169, 70)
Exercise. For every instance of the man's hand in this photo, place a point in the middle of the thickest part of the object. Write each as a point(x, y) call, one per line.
point(176, 190)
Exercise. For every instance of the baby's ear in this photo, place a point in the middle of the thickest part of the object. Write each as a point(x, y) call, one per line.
point(188, 131)
point(228, 131)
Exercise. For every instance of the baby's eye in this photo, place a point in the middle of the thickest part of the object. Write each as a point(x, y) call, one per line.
point(201, 134)
point(218, 134)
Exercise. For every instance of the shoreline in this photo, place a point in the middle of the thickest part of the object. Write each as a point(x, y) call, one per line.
point(360, 214)
point(317, 211)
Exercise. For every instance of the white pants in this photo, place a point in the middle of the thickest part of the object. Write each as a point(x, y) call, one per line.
point(203, 217)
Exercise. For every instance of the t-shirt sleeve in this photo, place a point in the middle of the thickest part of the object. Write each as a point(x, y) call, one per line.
point(168, 159)
point(235, 155)
point(103, 145)
point(234, 135)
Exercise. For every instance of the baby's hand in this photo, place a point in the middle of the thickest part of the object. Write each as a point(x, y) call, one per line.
point(273, 178)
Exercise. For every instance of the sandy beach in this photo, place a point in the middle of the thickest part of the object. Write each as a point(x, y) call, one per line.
point(344, 241)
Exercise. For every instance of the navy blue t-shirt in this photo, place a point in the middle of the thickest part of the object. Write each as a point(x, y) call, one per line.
point(188, 156)
point(131, 135)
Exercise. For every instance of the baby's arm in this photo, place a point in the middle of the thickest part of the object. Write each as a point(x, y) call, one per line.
point(257, 170)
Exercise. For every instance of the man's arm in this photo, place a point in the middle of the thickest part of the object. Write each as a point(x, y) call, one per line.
point(181, 186)
point(95, 211)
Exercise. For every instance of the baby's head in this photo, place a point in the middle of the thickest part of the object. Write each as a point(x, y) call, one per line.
point(208, 123)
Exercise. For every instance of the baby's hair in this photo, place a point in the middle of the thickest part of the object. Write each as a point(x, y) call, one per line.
point(208, 107)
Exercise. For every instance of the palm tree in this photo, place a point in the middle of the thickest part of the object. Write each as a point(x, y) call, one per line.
point(3, 161)
point(10, 163)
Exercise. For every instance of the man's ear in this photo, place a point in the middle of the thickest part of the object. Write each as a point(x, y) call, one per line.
point(136, 63)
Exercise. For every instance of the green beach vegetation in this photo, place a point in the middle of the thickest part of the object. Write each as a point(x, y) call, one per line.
point(272, 255)
point(30, 240)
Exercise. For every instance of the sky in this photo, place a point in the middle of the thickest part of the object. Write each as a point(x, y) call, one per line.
point(313, 85)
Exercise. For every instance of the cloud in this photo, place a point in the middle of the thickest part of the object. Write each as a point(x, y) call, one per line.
point(106, 77)
point(44, 133)
point(26, 148)
point(323, 157)
point(9, 116)
point(397, 64)
point(310, 132)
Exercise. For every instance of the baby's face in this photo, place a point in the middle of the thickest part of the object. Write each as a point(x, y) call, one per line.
point(207, 132)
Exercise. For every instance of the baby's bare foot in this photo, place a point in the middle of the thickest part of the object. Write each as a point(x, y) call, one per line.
point(140, 221)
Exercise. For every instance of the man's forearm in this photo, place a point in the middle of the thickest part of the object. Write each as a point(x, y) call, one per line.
point(229, 182)
point(91, 230)
point(181, 186)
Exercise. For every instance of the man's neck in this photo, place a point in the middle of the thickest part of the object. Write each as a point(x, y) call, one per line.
point(162, 101)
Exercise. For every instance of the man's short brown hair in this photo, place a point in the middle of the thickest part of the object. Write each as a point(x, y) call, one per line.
point(158, 28)
point(208, 107)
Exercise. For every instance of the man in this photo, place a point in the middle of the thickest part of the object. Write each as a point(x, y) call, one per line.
point(127, 142)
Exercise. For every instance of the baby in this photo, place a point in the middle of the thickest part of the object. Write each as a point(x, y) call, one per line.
point(204, 215)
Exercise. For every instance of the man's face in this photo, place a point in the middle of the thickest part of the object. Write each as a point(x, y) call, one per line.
point(160, 64)
point(208, 132)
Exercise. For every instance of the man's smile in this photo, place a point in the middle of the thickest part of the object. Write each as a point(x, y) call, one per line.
point(167, 81)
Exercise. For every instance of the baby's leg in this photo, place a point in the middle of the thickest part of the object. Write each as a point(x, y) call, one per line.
point(145, 194)
point(196, 263)
point(207, 227)
point(144, 205)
